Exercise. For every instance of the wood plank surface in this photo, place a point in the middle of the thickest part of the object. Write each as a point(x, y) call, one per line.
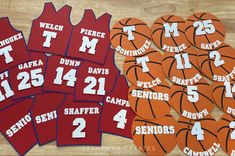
point(22, 12)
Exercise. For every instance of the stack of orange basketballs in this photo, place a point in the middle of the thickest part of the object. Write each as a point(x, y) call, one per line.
point(194, 71)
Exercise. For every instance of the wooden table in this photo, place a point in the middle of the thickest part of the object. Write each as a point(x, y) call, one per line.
point(22, 12)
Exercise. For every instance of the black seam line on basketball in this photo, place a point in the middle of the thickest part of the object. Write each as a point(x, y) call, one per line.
point(196, 68)
point(199, 18)
point(183, 73)
point(190, 20)
point(219, 32)
point(225, 119)
point(143, 138)
point(141, 35)
point(172, 21)
point(183, 129)
point(118, 34)
point(131, 24)
point(221, 66)
point(127, 20)
point(204, 119)
point(134, 45)
point(191, 54)
point(150, 52)
point(224, 46)
point(151, 75)
point(136, 104)
point(183, 122)
point(161, 39)
point(136, 75)
point(222, 99)
point(117, 28)
point(195, 106)
point(207, 39)
point(158, 23)
point(151, 108)
point(201, 145)
point(134, 132)
point(168, 57)
point(169, 72)
point(188, 27)
point(128, 61)
point(186, 139)
point(181, 98)
point(194, 38)
point(212, 73)
point(206, 97)
point(121, 41)
point(179, 91)
point(156, 30)
point(168, 115)
point(169, 17)
point(222, 128)
point(205, 61)
point(174, 41)
point(154, 62)
point(132, 67)
point(217, 88)
point(209, 132)
point(203, 55)
point(228, 57)
point(159, 143)
point(179, 85)
point(201, 83)
point(148, 122)
point(168, 104)
point(202, 15)
point(226, 145)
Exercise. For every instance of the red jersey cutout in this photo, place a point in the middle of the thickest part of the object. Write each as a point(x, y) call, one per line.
point(96, 80)
point(13, 50)
point(90, 38)
point(6, 92)
point(27, 78)
point(44, 115)
point(61, 74)
point(17, 126)
point(117, 116)
point(78, 123)
point(51, 31)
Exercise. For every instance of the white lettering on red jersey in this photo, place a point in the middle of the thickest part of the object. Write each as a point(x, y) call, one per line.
point(44, 115)
point(51, 31)
point(94, 81)
point(78, 123)
point(27, 78)
point(13, 50)
point(61, 74)
point(90, 38)
point(117, 115)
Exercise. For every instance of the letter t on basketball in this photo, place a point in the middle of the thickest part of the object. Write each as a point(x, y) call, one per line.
point(143, 61)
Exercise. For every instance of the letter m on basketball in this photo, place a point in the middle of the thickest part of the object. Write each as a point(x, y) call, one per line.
point(90, 44)
point(171, 29)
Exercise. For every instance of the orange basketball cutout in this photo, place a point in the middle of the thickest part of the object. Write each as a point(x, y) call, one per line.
point(154, 137)
point(193, 101)
point(224, 96)
point(226, 133)
point(218, 64)
point(144, 71)
point(130, 37)
point(182, 68)
point(150, 103)
point(204, 31)
point(197, 137)
point(168, 33)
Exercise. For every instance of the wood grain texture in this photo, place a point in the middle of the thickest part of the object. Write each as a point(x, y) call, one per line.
point(22, 12)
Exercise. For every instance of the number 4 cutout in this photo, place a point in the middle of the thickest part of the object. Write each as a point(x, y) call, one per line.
point(120, 117)
point(197, 130)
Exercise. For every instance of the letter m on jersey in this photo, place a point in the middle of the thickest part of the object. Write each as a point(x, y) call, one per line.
point(90, 44)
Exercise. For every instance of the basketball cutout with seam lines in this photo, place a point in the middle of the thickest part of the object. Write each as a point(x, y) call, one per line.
point(197, 137)
point(154, 137)
point(168, 33)
point(144, 71)
point(204, 31)
point(226, 133)
point(219, 64)
point(194, 101)
point(182, 68)
point(224, 96)
point(150, 103)
point(130, 37)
